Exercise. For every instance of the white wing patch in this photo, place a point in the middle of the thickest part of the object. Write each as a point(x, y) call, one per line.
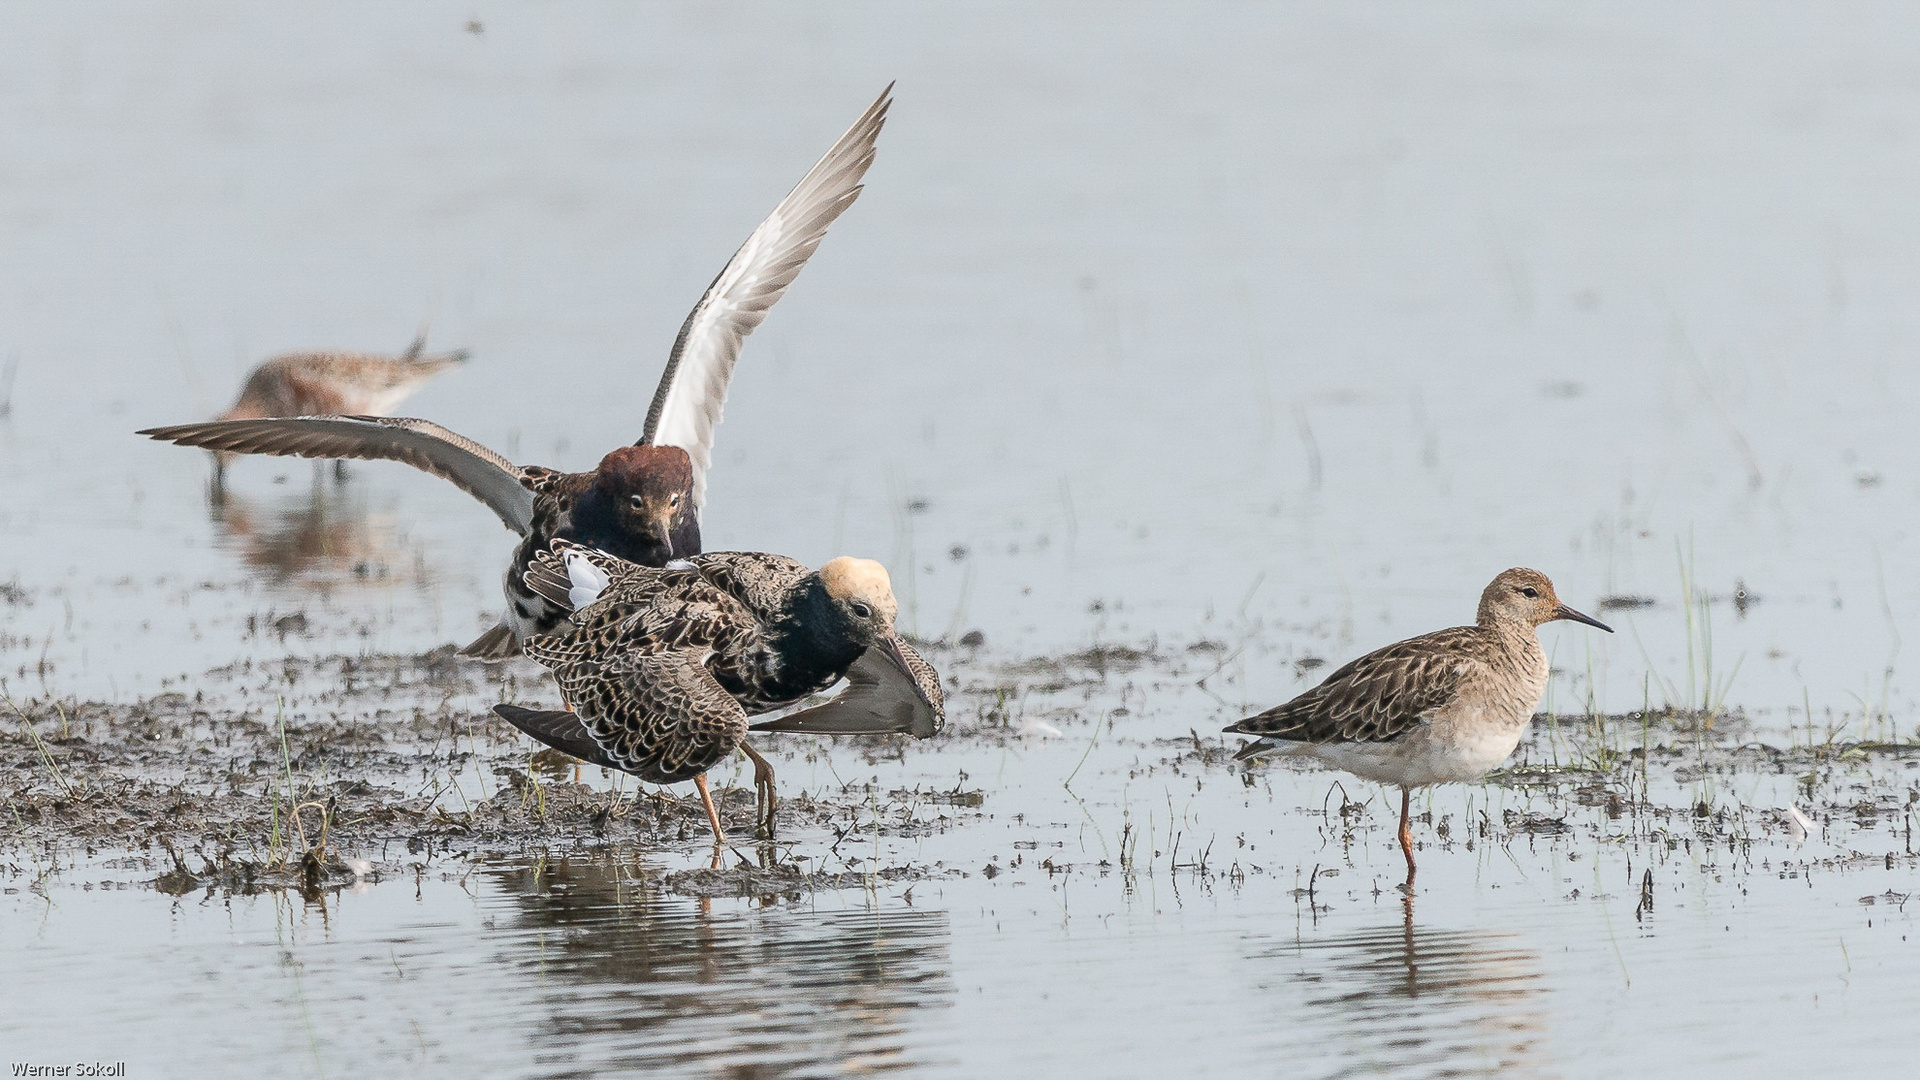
point(693, 389)
point(589, 581)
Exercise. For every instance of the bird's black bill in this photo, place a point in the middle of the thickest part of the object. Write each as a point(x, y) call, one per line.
point(1567, 613)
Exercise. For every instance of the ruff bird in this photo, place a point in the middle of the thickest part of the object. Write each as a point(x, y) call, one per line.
point(1444, 707)
point(306, 383)
point(661, 668)
point(642, 502)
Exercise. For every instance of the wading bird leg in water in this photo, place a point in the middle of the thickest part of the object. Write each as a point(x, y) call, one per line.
point(713, 816)
point(1406, 832)
point(763, 787)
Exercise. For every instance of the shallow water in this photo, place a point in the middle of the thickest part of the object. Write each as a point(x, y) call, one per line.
point(1527, 961)
point(1282, 330)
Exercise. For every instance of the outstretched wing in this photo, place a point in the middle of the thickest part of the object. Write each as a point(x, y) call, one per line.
point(890, 690)
point(473, 468)
point(693, 389)
point(1376, 698)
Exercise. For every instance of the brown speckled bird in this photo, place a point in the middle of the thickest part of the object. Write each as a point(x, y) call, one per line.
point(662, 667)
point(642, 502)
point(1442, 707)
point(307, 383)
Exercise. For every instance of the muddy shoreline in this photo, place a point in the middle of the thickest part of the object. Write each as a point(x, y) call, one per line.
point(315, 775)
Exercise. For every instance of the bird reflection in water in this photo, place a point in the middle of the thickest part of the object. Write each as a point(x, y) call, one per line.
point(1402, 1000)
point(634, 976)
point(316, 539)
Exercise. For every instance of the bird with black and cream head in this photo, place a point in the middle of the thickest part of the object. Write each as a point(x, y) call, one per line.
point(1444, 707)
point(661, 668)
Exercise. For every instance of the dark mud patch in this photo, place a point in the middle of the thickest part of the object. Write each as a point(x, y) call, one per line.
point(311, 775)
point(315, 775)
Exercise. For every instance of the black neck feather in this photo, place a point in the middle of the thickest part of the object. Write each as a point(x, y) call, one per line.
point(815, 640)
point(595, 522)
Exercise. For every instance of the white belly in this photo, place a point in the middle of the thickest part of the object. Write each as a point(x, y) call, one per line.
point(1433, 753)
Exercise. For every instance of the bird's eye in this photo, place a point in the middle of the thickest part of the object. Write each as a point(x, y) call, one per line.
point(1530, 592)
point(637, 502)
point(861, 610)
point(675, 500)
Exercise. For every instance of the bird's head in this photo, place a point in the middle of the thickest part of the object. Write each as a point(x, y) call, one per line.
point(648, 490)
point(1526, 598)
point(862, 592)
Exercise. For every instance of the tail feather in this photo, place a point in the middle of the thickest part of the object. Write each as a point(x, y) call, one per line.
point(429, 366)
point(556, 728)
point(549, 580)
point(1253, 749)
point(495, 645)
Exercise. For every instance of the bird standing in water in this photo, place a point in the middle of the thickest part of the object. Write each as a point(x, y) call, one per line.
point(1444, 707)
point(662, 667)
point(642, 502)
point(307, 383)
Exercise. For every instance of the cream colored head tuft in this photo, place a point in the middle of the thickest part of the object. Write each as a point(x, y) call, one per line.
point(862, 581)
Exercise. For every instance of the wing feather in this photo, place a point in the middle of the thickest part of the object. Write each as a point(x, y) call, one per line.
point(427, 446)
point(1376, 698)
point(889, 690)
point(693, 388)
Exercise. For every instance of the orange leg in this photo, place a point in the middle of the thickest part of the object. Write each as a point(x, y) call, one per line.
point(1406, 831)
point(713, 816)
point(762, 786)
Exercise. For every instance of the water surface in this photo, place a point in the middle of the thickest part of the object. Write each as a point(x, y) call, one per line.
point(1276, 332)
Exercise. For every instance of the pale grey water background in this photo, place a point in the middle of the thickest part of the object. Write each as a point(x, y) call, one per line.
point(1287, 327)
point(1531, 285)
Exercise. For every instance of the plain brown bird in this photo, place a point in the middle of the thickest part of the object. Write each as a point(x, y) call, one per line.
point(310, 383)
point(1449, 706)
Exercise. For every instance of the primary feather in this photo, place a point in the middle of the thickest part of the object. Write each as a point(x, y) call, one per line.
point(693, 389)
point(422, 444)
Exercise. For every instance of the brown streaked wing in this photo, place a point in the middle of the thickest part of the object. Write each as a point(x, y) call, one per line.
point(661, 716)
point(1375, 698)
point(642, 610)
point(758, 579)
point(629, 585)
point(422, 444)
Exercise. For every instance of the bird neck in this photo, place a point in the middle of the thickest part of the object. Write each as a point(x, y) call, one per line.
point(1516, 635)
point(810, 640)
point(595, 522)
